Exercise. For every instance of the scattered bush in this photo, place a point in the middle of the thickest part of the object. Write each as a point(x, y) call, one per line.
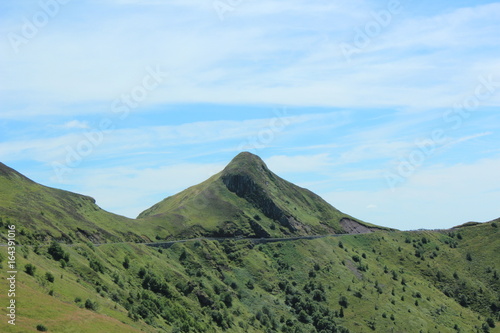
point(57, 252)
point(97, 266)
point(30, 269)
point(41, 328)
point(50, 277)
point(344, 302)
point(126, 263)
point(89, 305)
point(250, 285)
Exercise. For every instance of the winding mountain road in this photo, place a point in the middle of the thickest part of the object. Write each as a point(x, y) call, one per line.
point(167, 244)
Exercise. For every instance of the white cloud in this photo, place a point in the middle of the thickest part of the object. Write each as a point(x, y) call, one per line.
point(437, 197)
point(284, 59)
point(469, 137)
point(75, 124)
point(292, 164)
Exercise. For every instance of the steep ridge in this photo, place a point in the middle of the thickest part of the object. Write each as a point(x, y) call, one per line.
point(248, 199)
point(48, 213)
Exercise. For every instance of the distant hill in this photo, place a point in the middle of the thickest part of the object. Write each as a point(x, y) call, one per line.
point(48, 213)
point(248, 199)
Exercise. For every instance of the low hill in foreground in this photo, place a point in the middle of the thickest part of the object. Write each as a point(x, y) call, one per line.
point(379, 282)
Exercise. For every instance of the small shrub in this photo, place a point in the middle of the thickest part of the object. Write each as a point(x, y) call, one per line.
point(50, 277)
point(126, 263)
point(57, 253)
point(250, 285)
point(227, 298)
point(41, 328)
point(30, 269)
point(344, 302)
point(97, 266)
point(89, 305)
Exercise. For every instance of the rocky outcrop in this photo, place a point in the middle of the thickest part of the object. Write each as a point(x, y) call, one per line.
point(245, 187)
point(353, 227)
point(258, 230)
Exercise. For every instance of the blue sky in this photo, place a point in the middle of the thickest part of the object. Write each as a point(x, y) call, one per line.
point(387, 109)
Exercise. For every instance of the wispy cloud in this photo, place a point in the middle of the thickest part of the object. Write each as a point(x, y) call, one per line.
point(75, 124)
point(276, 61)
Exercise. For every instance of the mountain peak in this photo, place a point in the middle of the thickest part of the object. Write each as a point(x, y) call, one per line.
point(246, 160)
point(247, 198)
point(250, 169)
point(248, 165)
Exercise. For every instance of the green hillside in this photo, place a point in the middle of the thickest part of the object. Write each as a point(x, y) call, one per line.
point(379, 282)
point(47, 213)
point(81, 269)
point(247, 199)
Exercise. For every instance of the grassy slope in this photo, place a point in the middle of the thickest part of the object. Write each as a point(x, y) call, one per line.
point(52, 213)
point(211, 205)
point(268, 284)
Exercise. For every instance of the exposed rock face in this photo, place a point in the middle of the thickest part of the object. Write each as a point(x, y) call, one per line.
point(353, 227)
point(258, 230)
point(245, 187)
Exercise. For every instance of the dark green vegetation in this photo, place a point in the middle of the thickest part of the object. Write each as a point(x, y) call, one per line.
point(386, 281)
